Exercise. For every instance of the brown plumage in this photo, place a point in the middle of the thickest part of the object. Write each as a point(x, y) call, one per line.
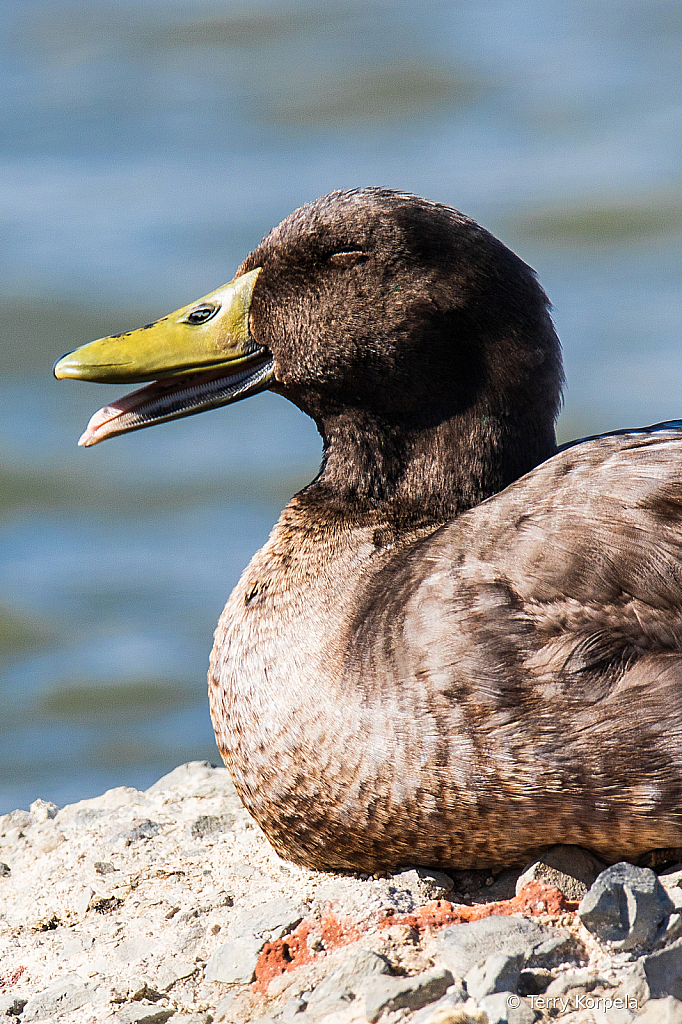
point(408, 673)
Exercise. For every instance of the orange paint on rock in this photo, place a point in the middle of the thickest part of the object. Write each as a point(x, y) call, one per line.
point(12, 978)
point(535, 898)
point(293, 950)
point(538, 898)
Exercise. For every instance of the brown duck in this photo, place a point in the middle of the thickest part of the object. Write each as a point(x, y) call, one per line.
point(459, 644)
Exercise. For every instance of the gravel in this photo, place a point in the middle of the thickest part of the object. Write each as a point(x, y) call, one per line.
point(170, 905)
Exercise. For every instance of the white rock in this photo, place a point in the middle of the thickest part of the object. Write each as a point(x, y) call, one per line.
point(121, 796)
point(42, 810)
point(66, 993)
point(269, 920)
point(138, 1013)
point(82, 901)
point(234, 963)
point(173, 970)
point(661, 1011)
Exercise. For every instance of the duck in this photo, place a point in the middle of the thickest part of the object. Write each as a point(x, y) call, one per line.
point(461, 644)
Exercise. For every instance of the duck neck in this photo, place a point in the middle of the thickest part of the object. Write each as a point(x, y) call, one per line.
point(430, 470)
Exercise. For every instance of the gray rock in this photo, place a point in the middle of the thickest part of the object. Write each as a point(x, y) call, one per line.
point(674, 892)
point(246, 871)
point(411, 993)
point(556, 949)
point(136, 988)
point(76, 944)
point(268, 921)
point(507, 1008)
point(347, 981)
point(570, 868)
point(671, 928)
point(626, 906)
point(104, 867)
point(663, 971)
point(569, 981)
point(145, 829)
point(533, 980)
point(610, 1007)
point(499, 973)
point(633, 984)
point(442, 1009)
point(85, 812)
point(61, 996)
point(614, 1007)
point(661, 1011)
point(234, 962)
point(82, 818)
point(11, 1005)
point(462, 946)
point(583, 989)
point(81, 903)
point(155, 920)
point(671, 882)
point(208, 824)
point(423, 883)
point(136, 1013)
point(5, 870)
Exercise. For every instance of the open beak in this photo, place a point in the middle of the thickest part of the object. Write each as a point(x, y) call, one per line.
point(199, 357)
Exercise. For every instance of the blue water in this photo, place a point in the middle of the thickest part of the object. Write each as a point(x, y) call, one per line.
point(145, 147)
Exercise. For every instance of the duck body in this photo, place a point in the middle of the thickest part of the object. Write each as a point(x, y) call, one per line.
point(459, 645)
point(502, 683)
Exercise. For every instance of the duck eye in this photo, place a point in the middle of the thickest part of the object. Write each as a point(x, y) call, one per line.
point(348, 258)
point(201, 314)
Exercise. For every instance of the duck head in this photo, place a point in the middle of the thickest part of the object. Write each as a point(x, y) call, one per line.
point(416, 341)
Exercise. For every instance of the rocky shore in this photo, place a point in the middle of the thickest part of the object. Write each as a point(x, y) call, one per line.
point(170, 905)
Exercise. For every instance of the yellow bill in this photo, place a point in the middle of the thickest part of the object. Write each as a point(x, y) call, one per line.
point(199, 357)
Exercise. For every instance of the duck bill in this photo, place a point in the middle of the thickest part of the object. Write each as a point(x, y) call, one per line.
point(199, 357)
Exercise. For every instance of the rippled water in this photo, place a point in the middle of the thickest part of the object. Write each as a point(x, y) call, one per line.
point(145, 147)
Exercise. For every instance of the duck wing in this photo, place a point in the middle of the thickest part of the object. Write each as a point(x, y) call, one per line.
point(541, 634)
point(591, 545)
point(575, 567)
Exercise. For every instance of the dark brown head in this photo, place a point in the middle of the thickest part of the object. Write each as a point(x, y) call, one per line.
point(420, 345)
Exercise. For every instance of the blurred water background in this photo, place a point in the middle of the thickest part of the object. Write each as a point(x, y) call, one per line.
point(145, 147)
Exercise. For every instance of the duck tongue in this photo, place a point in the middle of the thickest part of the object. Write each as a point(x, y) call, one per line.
point(175, 397)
